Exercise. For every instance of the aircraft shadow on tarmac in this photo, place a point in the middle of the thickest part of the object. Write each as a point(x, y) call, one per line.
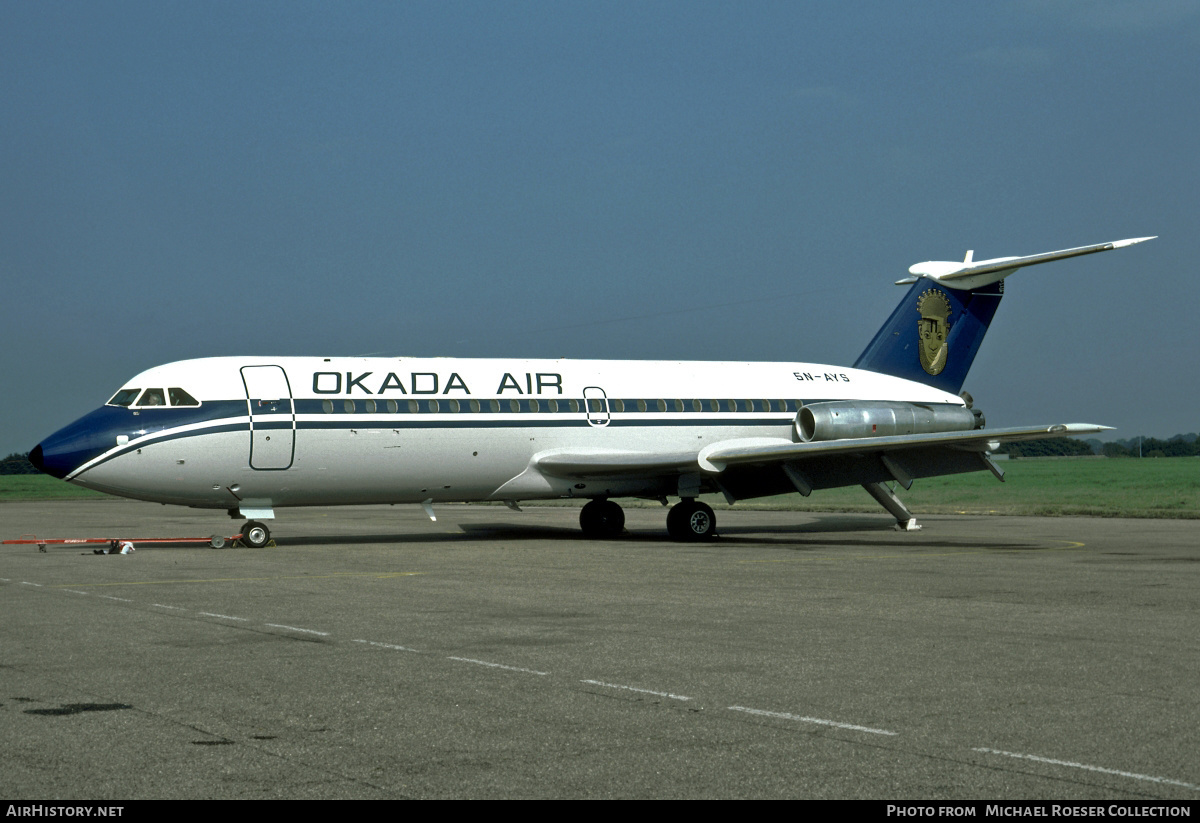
point(813, 533)
point(832, 530)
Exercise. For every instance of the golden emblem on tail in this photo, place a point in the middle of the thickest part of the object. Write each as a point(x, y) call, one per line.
point(932, 328)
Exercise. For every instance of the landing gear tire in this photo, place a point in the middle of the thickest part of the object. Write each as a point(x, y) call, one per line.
point(602, 519)
point(255, 535)
point(691, 520)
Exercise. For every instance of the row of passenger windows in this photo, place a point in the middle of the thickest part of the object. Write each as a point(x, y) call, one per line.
point(532, 404)
point(153, 397)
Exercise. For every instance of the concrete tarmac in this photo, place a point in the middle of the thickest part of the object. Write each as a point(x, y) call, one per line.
point(375, 654)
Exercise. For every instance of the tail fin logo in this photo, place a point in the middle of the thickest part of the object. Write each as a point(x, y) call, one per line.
point(932, 329)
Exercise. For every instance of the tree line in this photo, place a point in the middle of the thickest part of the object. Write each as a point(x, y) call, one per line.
point(17, 464)
point(1181, 445)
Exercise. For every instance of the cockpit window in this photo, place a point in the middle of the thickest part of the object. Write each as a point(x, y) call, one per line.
point(181, 398)
point(124, 397)
point(152, 397)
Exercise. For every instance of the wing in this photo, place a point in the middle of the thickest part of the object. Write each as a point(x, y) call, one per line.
point(721, 455)
point(745, 468)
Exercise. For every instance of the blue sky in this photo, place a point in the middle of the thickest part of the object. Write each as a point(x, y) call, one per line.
point(689, 180)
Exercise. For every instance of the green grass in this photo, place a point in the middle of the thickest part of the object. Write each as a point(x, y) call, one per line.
point(1165, 487)
point(40, 487)
point(1156, 488)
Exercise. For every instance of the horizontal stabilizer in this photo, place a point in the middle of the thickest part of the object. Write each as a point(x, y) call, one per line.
point(974, 274)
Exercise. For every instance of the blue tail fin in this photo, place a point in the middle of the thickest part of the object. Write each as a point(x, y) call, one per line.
point(934, 334)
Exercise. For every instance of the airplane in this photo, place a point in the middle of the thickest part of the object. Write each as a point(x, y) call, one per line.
point(254, 434)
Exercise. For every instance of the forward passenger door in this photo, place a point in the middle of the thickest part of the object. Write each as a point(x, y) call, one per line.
point(272, 417)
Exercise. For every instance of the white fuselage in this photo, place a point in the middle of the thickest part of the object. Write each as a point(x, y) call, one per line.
point(301, 431)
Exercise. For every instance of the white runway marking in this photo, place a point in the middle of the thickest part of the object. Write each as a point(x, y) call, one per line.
point(161, 606)
point(497, 666)
point(27, 583)
point(634, 689)
point(1100, 769)
point(119, 599)
point(817, 720)
point(223, 616)
point(386, 646)
point(298, 629)
point(74, 591)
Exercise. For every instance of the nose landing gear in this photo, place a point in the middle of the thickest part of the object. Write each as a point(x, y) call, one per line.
point(255, 535)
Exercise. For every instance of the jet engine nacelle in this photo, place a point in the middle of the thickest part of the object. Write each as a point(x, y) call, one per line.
point(839, 420)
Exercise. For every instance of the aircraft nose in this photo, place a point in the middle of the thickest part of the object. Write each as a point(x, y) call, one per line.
point(49, 465)
point(64, 452)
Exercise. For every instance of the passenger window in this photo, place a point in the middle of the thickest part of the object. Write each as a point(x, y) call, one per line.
point(152, 397)
point(475, 405)
point(124, 397)
point(618, 405)
point(678, 405)
point(553, 404)
point(514, 405)
point(348, 406)
point(370, 404)
point(534, 405)
point(393, 407)
point(432, 406)
point(179, 397)
point(327, 406)
point(413, 407)
point(454, 406)
point(494, 405)
point(574, 404)
point(697, 406)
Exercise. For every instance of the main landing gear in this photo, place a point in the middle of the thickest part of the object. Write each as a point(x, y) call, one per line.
point(602, 518)
point(255, 535)
point(689, 520)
